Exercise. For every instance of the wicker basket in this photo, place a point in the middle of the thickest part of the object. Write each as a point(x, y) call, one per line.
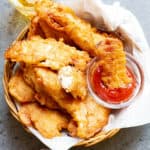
point(8, 69)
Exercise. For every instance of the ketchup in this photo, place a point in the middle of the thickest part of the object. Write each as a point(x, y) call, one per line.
point(116, 95)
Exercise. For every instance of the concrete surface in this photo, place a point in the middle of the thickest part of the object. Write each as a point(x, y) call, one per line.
point(13, 136)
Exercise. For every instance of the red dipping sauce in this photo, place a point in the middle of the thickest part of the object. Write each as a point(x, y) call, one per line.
point(116, 95)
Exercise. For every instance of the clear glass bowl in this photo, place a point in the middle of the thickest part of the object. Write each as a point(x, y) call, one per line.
point(134, 66)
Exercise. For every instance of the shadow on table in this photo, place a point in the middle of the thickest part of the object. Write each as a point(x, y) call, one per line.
point(126, 139)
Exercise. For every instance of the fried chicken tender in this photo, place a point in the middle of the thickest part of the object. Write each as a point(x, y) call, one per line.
point(50, 32)
point(19, 89)
point(48, 122)
point(38, 26)
point(38, 83)
point(43, 99)
point(73, 81)
point(24, 93)
point(46, 101)
point(63, 19)
point(47, 53)
point(89, 117)
point(113, 64)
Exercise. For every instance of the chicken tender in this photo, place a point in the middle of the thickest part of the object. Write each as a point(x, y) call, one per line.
point(24, 93)
point(63, 19)
point(113, 64)
point(48, 122)
point(47, 53)
point(88, 116)
point(39, 96)
point(38, 83)
point(50, 32)
point(38, 26)
point(73, 81)
point(19, 89)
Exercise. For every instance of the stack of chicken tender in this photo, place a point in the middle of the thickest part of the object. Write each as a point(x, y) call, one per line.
point(50, 82)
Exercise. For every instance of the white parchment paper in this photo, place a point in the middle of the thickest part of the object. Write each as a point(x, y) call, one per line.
point(123, 22)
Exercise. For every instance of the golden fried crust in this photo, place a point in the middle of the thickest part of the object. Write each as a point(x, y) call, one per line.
point(48, 122)
point(23, 92)
point(47, 101)
point(87, 114)
point(40, 96)
point(63, 19)
point(50, 32)
point(90, 118)
point(35, 28)
point(38, 26)
point(73, 81)
point(47, 53)
point(113, 64)
point(37, 78)
point(19, 89)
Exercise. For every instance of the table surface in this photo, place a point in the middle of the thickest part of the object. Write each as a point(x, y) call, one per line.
point(14, 137)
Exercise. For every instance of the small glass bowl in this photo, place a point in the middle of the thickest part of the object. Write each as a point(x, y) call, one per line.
point(134, 66)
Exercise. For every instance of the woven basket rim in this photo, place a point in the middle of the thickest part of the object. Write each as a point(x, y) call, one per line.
point(8, 67)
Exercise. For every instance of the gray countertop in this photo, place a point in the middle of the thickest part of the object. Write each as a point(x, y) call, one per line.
point(14, 137)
